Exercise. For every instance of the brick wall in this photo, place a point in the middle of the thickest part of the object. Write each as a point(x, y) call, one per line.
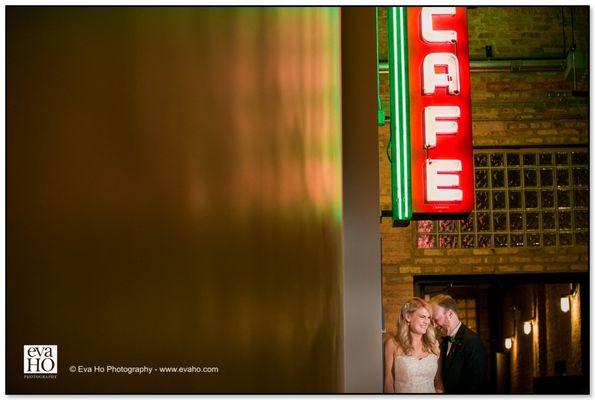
point(512, 108)
point(519, 109)
point(523, 363)
point(526, 31)
point(555, 335)
point(517, 32)
point(563, 331)
point(508, 109)
point(401, 260)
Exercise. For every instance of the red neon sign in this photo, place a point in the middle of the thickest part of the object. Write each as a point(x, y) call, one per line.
point(440, 110)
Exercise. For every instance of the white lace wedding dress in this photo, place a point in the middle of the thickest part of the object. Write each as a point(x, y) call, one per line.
point(413, 375)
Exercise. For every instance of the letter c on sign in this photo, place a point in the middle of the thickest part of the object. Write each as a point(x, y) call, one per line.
point(427, 26)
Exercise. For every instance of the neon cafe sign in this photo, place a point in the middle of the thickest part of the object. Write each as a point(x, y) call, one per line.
point(430, 106)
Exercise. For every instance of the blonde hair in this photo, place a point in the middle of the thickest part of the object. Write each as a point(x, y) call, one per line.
point(403, 338)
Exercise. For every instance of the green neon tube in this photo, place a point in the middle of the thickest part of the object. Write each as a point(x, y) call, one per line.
point(399, 111)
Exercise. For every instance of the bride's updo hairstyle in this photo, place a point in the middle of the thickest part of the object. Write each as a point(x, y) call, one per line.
point(430, 344)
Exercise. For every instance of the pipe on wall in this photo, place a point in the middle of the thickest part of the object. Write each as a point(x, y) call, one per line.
point(512, 65)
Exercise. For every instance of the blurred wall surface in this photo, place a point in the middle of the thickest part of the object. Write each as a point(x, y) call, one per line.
point(174, 197)
point(362, 294)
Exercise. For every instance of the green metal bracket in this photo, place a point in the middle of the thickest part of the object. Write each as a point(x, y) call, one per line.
point(381, 115)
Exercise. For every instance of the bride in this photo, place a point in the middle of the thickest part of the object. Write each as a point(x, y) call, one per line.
point(411, 359)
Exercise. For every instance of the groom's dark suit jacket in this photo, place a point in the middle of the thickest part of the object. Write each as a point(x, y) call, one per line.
point(464, 368)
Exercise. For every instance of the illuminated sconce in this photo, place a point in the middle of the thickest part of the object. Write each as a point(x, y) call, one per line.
point(565, 300)
point(527, 325)
point(508, 343)
point(565, 303)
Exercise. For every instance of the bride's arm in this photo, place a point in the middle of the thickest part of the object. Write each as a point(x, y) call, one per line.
point(438, 378)
point(389, 358)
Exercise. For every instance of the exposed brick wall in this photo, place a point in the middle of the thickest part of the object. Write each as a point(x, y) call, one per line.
point(523, 362)
point(384, 170)
point(515, 32)
point(520, 108)
point(555, 336)
point(525, 31)
point(401, 260)
point(564, 331)
point(517, 109)
point(508, 109)
point(397, 270)
point(558, 328)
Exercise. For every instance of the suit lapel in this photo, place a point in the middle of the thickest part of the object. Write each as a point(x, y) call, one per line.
point(455, 346)
point(443, 348)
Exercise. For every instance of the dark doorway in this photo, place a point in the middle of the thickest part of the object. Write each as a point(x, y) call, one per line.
point(534, 327)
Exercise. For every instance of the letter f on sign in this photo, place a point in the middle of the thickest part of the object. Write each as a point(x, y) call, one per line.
point(434, 126)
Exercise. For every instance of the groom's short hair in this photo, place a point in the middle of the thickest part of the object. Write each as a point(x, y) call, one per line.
point(445, 301)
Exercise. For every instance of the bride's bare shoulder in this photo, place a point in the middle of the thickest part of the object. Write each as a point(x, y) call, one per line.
point(392, 346)
point(390, 343)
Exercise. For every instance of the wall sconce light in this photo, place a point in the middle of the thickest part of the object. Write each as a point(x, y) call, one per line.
point(565, 303)
point(527, 325)
point(508, 343)
point(565, 300)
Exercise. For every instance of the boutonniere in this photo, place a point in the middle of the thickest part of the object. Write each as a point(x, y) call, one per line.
point(454, 341)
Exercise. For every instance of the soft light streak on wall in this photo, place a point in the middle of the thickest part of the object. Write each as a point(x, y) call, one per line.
point(301, 75)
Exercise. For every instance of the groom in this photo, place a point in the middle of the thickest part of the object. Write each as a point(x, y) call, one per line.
point(463, 359)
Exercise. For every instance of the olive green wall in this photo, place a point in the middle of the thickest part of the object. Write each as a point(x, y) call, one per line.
point(174, 197)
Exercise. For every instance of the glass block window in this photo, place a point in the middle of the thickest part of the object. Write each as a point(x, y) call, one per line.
point(523, 198)
point(467, 312)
